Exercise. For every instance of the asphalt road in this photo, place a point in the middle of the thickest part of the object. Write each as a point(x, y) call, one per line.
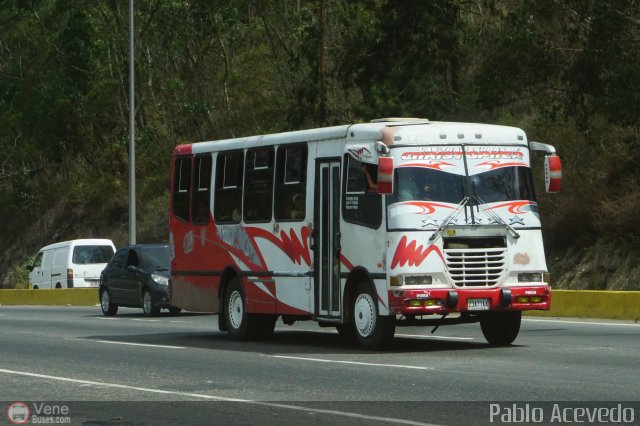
point(130, 369)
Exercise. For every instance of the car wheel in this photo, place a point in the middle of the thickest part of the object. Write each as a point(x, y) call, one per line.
point(147, 304)
point(372, 330)
point(501, 328)
point(108, 309)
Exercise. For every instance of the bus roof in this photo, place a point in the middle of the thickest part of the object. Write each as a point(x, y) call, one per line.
point(399, 132)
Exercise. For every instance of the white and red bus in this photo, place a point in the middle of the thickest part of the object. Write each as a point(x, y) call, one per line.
point(361, 227)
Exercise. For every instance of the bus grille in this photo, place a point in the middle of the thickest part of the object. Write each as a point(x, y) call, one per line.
point(476, 267)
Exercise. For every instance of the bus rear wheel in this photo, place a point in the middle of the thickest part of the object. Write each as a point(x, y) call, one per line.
point(501, 328)
point(240, 324)
point(372, 330)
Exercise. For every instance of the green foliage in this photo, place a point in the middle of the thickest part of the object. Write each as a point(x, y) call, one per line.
point(565, 71)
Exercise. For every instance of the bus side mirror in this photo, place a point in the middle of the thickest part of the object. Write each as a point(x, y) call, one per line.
point(385, 175)
point(552, 173)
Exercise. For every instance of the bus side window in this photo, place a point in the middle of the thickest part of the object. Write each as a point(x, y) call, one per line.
point(258, 192)
point(291, 183)
point(228, 193)
point(362, 204)
point(201, 189)
point(182, 188)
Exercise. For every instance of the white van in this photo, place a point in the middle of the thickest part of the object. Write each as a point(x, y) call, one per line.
point(70, 264)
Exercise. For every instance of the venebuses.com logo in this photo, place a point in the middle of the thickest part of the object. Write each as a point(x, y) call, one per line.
point(18, 413)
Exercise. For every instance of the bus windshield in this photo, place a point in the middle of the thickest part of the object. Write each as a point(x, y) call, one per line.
point(504, 184)
point(423, 184)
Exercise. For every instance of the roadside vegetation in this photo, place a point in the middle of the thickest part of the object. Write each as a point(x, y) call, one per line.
point(566, 71)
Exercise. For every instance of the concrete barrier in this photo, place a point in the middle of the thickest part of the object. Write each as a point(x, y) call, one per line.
point(55, 296)
point(622, 305)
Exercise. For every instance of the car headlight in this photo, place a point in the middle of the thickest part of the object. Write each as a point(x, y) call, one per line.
point(160, 279)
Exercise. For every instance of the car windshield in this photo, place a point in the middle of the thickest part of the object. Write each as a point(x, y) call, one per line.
point(86, 255)
point(156, 258)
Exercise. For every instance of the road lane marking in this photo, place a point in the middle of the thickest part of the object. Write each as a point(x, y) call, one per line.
point(218, 398)
point(369, 364)
point(107, 318)
point(114, 342)
point(422, 336)
point(145, 320)
point(183, 322)
point(614, 324)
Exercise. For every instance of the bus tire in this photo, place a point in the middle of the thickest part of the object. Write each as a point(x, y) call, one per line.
point(501, 328)
point(347, 331)
point(263, 326)
point(240, 324)
point(372, 330)
point(109, 309)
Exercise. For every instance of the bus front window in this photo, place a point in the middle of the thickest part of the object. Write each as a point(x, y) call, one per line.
point(423, 184)
point(504, 184)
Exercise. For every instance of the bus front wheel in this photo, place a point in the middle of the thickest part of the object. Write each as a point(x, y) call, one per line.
point(501, 328)
point(372, 330)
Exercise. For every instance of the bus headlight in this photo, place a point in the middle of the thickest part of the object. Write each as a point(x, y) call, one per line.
point(417, 280)
point(530, 277)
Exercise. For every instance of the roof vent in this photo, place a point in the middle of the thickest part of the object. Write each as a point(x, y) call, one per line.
point(401, 120)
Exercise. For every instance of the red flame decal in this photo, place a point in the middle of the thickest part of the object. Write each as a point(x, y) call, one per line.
point(412, 255)
point(514, 207)
point(425, 206)
point(496, 164)
point(296, 248)
point(436, 165)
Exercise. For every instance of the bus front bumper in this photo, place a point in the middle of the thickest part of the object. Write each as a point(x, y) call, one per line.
point(471, 300)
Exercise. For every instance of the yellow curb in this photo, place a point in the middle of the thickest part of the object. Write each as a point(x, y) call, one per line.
point(623, 305)
point(56, 296)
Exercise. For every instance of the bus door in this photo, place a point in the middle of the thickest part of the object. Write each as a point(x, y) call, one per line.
point(327, 239)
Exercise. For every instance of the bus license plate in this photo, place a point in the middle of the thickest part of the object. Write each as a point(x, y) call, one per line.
point(478, 304)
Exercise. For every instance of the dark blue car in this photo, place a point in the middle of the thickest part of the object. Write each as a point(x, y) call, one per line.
point(137, 276)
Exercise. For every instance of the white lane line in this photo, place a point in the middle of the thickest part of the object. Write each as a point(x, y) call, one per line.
point(183, 322)
point(218, 398)
point(615, 324)
point(422, 336)
point(113, 342)
point(108, 318)
point(369, 364)
point(145, 320)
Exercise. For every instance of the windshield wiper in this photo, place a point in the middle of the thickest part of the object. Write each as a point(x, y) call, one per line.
point(447, 220)
point(496, 218)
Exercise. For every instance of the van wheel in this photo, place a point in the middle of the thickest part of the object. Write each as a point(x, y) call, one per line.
point(147, 304)
point(108, 309)
point(501, 328)
point(174, 310)
point(372, 330)
point(58, 285)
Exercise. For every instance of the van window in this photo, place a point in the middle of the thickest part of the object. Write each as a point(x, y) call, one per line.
point(38, 261)
point(86, 255)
